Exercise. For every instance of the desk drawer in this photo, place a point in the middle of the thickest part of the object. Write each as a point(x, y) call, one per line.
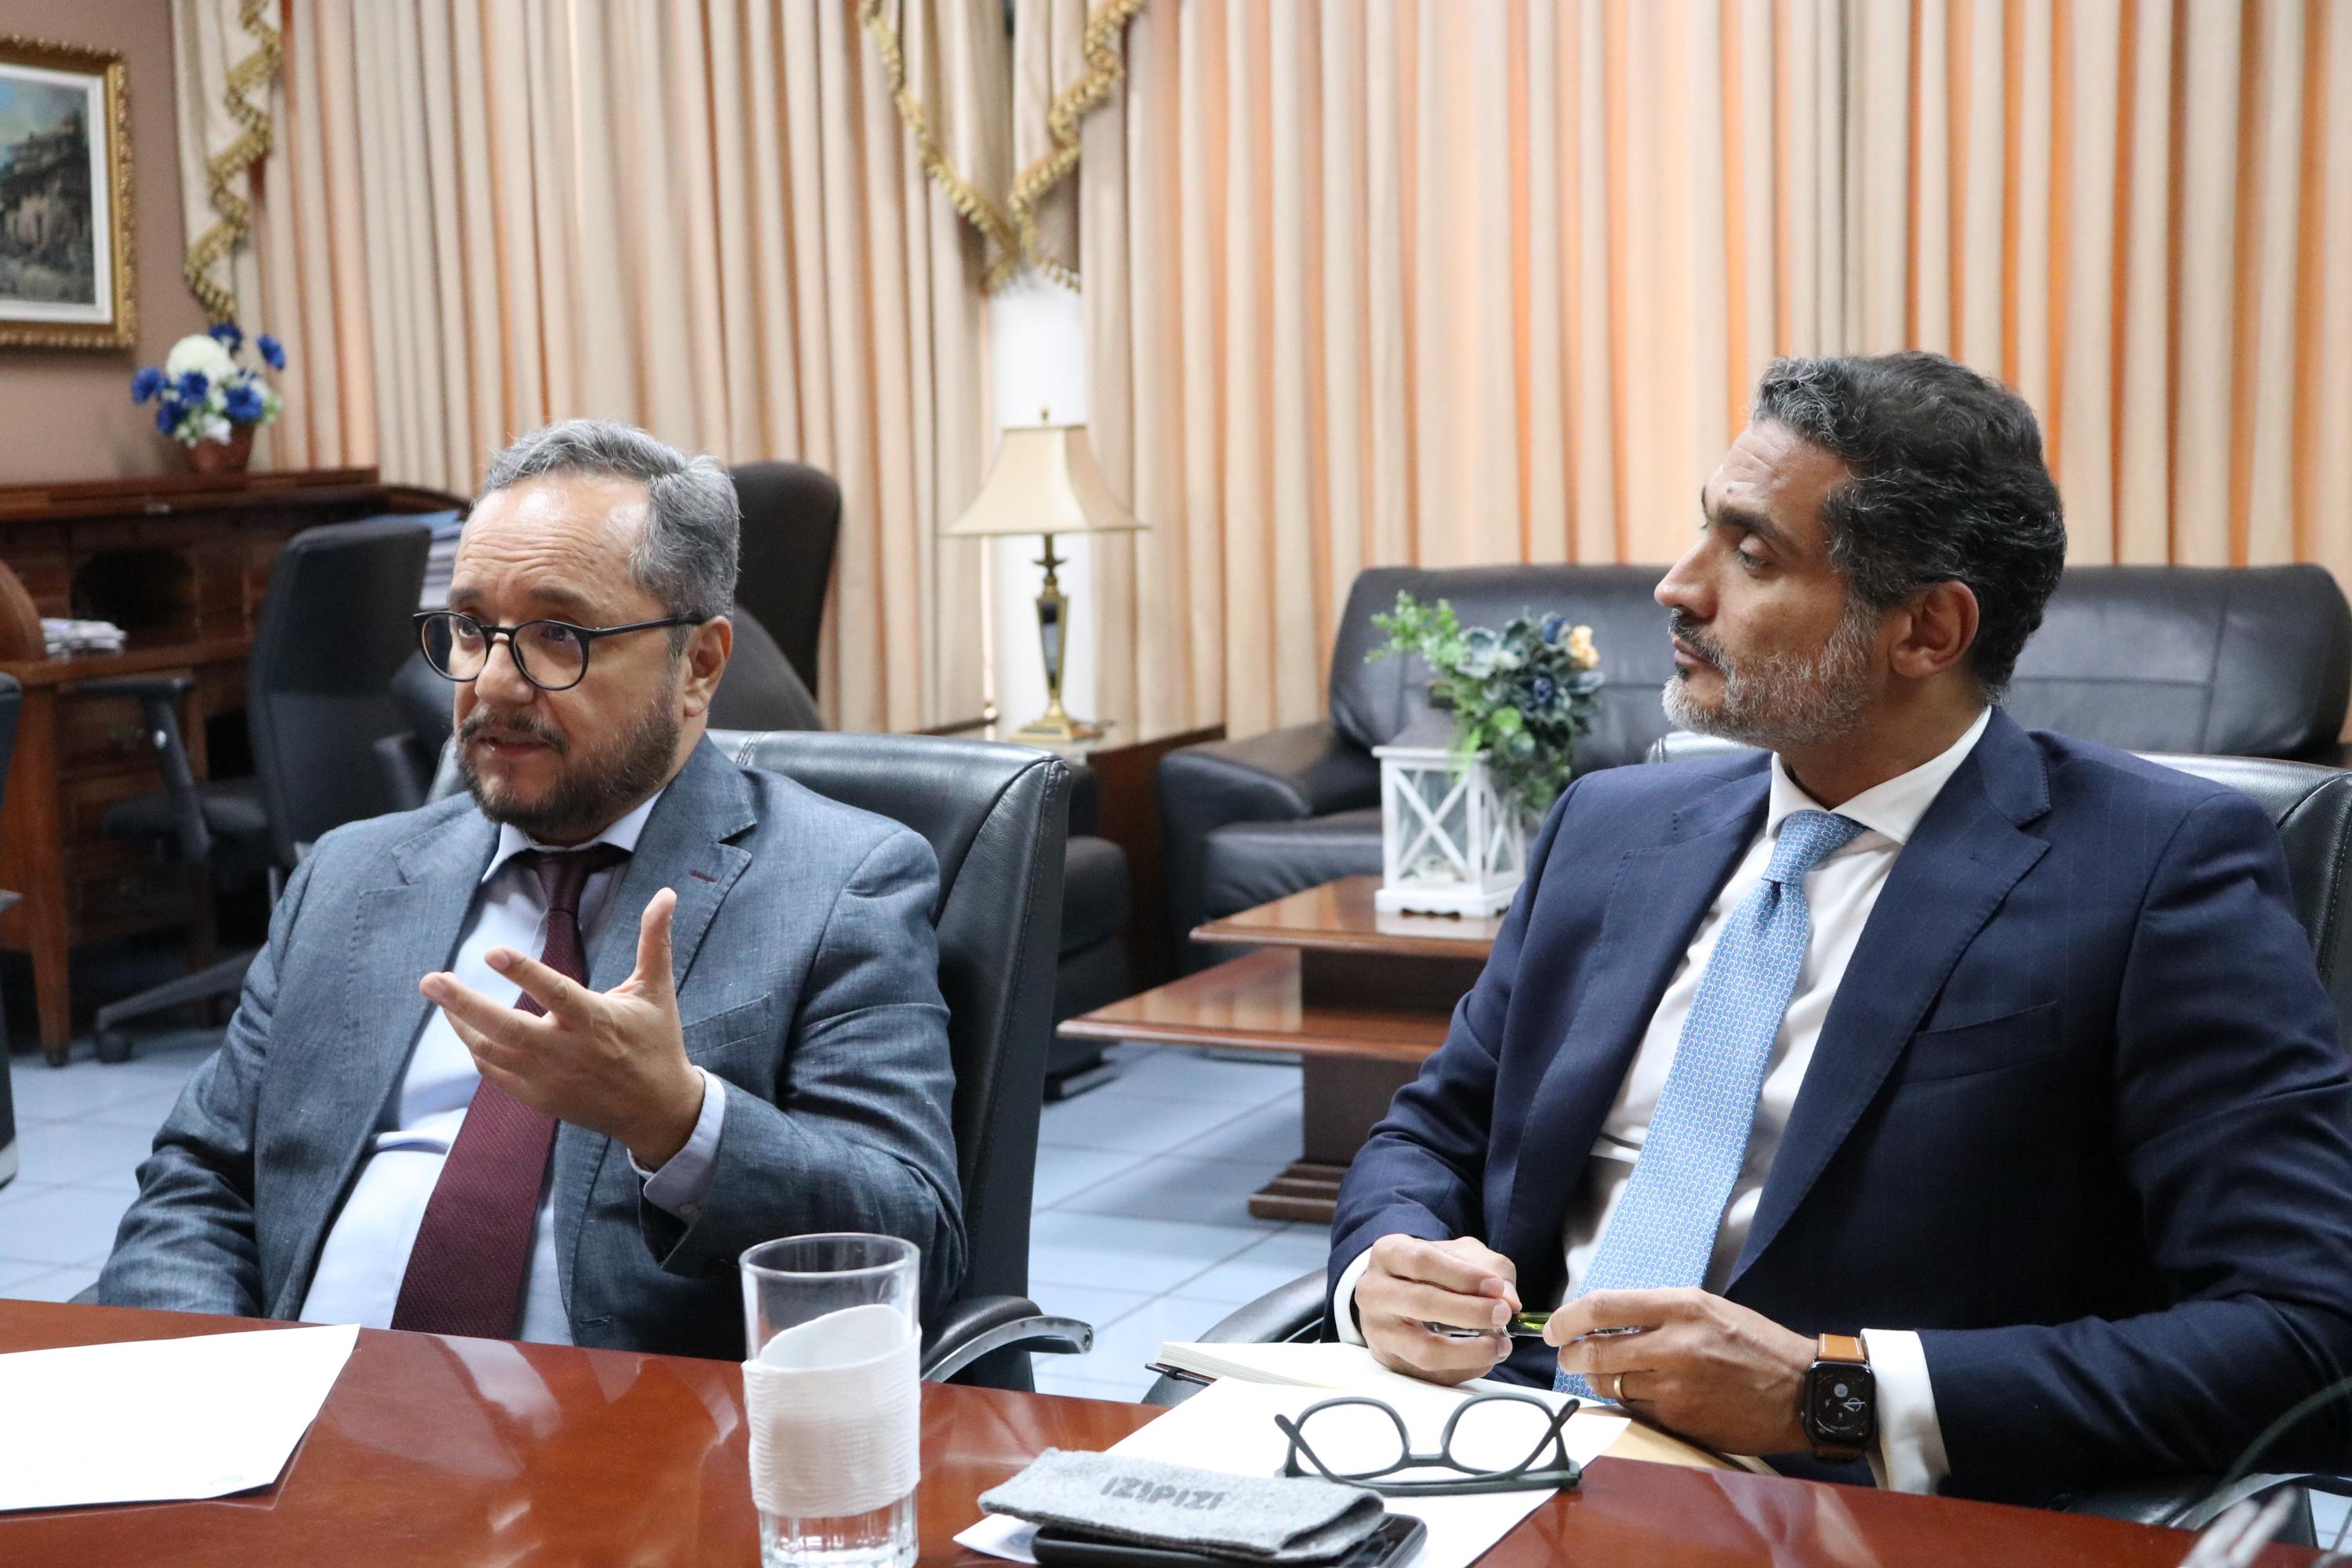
point(109, 734)
point(110, 890)
point(101, 734)
point(84, 802)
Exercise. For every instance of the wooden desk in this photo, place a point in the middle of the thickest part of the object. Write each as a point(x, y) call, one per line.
point(1361, 996)
point(181, 562)
point(433, 1451)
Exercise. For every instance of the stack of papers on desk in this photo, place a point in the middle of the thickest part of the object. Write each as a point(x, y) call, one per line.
point(64, 636)
point(160, 1420)
point(1229, 1426)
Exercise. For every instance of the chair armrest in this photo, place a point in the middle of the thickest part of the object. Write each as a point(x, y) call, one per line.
point(1286, 1312)
point(2189, 1502)
point(978, 1325)
point(1282, 775)
point(158, 696)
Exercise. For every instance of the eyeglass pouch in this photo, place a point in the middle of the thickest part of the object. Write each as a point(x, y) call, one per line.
point(1261, 1519)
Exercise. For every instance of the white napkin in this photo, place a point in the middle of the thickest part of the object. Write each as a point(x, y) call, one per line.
point(835, 1409)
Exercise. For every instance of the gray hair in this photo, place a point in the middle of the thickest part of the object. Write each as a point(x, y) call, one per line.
point(686, 557)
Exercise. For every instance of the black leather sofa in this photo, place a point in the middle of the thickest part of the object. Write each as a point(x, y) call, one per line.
point(2252, 662)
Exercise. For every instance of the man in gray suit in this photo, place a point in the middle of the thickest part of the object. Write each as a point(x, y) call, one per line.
point(541, 1061)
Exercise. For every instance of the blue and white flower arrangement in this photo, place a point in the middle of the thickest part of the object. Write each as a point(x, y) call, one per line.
point(203, 393)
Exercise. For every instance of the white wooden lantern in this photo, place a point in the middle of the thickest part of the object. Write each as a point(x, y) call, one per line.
point(1450, 844)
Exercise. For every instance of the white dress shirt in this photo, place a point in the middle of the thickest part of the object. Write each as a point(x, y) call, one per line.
point(366, 1251)
point(1842, 889)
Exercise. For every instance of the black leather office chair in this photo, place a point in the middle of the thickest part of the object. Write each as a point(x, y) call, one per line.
point(760, 689)
point(994, 817)
point(11, 697)
point(333, 628)
point(2312, 805)
point(407, 760)
point(791, 518)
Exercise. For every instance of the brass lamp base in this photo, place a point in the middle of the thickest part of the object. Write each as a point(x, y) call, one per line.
point(1056, 727)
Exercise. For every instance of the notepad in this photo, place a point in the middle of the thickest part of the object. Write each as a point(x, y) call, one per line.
point(1350, 1369)
point(160, 1420)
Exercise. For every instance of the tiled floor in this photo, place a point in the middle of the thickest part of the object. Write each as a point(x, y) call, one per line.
point(1141, 1225)
point(80, 1132)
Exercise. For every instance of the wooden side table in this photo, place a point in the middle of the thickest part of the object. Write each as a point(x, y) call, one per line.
point(1362, 997)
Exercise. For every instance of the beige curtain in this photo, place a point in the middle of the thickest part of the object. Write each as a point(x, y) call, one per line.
point(996, 123)
point(486, 215)
point(2124, 207)
point(1373, 281)
point(226, 66)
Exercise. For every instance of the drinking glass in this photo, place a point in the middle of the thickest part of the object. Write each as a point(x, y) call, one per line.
point(832, 1391)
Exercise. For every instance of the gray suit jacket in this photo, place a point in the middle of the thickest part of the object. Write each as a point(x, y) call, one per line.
point(807, 977)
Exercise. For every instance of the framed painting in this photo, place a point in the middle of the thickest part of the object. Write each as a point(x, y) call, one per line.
point(65, 197)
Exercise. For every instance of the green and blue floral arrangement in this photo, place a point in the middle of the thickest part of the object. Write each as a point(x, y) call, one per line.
point(1522, 695)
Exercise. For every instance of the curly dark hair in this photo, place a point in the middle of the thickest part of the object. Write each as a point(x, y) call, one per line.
point(1948, 484)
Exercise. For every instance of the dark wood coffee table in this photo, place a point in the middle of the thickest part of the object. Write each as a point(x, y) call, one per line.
point(1360, 996)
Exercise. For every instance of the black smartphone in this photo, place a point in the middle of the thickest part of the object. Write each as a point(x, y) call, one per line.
point(1396, 1543)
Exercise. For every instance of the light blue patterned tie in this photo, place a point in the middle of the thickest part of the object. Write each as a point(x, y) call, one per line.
point(1662, 1234)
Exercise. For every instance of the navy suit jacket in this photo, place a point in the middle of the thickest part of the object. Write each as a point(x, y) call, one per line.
point(2078, 1113)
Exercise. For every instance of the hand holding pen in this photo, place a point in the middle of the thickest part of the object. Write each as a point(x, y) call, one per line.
point(1521, 1326)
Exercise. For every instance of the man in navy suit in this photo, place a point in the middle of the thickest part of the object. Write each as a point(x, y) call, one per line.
point(1998, 1052)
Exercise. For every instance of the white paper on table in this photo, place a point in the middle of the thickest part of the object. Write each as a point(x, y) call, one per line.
point(1229, 1426)
point(160, 1420)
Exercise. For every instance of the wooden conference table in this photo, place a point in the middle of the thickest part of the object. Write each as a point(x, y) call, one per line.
point(472, 1451)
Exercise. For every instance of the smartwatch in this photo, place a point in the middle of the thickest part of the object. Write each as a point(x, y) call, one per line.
point(1841, 1404)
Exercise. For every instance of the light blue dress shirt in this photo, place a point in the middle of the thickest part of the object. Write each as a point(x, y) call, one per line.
point(366, 1252)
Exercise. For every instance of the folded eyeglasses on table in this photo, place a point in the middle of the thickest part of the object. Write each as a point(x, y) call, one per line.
point(1494, 1442)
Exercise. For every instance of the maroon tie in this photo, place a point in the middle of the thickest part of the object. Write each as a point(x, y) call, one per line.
point(466, 1272)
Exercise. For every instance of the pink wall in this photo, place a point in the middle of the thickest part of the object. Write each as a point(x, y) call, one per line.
point(69, 415)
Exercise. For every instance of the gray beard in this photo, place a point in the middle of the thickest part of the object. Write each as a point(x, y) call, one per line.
point(599, 789)
point(1784, 700)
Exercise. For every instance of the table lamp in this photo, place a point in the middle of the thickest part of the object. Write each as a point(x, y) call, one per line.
point(1045, 480)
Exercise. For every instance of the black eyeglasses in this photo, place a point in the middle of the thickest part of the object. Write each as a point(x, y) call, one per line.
point(1498, 1443)
point(551, 654)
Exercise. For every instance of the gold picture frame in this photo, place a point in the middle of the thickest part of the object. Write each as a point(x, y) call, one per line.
point(67, 235)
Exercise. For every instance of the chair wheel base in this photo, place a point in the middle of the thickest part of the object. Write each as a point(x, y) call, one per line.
point(114, 1047)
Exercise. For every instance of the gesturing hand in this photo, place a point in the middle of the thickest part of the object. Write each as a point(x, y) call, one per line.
point(613, 1062)
point(1702, 1366)
point(1412, 1283)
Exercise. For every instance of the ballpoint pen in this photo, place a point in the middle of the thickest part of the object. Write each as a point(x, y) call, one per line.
point(1521, 1326)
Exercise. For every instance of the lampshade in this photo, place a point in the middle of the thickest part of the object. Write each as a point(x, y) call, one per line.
point(1045, 480)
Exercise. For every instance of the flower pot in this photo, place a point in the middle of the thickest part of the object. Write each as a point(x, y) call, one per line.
point(1450, 842)
point(231, 457)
